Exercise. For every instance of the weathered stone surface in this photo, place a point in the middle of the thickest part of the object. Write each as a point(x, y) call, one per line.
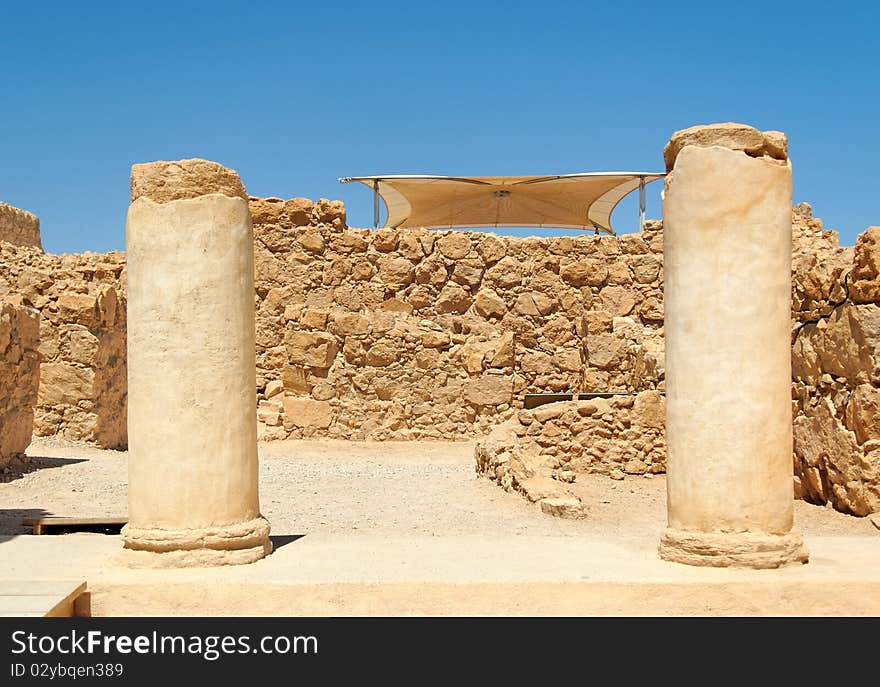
point(454, 245)
point(728, 135)
point(314, 349)
point(489, 304)
point(564, 507)
point(82, 339)
point(453, 299)
point(418, 321)
point(585, 273)
point(865, 276)
point(649, 410)
point(557, 441)
point(835, 366)
point(164, 181)
point(307, 413)
point(396, 271)
point(19, 227)
point(19, 377)
point(489, 390)
point(537, 488)
point(492, 249)
point(830, 464)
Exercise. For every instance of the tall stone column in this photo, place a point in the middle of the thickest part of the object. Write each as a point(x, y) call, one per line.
point(727, 266)
point(191, 369)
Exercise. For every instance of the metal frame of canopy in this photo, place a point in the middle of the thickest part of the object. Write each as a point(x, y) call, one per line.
point(510, 182)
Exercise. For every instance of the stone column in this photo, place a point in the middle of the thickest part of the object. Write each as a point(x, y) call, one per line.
point(727, 265)
point(191, 369)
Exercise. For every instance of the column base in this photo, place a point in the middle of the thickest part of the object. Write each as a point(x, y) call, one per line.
point(732, 549)
point(237, 544)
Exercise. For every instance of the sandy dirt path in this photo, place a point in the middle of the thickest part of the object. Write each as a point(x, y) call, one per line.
point(380, 489)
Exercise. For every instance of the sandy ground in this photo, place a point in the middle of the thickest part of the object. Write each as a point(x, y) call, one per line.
point(379, 489)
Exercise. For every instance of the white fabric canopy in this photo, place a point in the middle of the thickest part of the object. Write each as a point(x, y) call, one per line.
point(568, 201)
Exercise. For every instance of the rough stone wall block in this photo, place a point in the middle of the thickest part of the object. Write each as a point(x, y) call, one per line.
point(193, 492)
point(727, 224)
point(19, 227)
point(19, 377)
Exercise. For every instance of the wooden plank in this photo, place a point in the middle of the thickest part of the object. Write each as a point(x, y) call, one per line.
point(44, 525)
point(59, 520)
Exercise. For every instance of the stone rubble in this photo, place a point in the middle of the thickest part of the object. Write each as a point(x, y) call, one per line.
point(538, 451)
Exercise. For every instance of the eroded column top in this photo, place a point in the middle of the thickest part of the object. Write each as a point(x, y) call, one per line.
point(748, 139)
point(163, 181)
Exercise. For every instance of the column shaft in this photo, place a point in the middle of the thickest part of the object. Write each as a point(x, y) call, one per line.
point(727, 266)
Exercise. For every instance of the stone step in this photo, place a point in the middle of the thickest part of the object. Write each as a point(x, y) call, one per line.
point(41, 599)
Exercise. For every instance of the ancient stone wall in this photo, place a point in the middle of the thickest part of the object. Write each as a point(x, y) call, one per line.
point(80, 298)
point(404, 334)
point(836, 371)
point(537, 451)
point(399, 334)
point(19, 227)
point(19, 376)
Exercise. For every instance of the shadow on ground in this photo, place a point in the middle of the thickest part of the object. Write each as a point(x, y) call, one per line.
point(10, 521)
point(20, 467)
point(279, 540)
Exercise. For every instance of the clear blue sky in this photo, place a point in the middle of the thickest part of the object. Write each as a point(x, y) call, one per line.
point(296, 94)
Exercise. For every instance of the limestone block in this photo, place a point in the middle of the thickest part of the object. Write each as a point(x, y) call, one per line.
point(453, 299)
point(865, 276)
point(454, 245)
point(164, 181)
point(489, 390)
point(19, 227)
point(313, 349)
point(728, 135)
point(307, 412)
point(19, 377)
point(489, 304)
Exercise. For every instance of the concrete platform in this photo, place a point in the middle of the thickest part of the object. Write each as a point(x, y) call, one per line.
point(333, 575)
point(42, 599)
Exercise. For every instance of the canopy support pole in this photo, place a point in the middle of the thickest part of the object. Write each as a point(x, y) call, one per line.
point(641, 203)
point(376, 204)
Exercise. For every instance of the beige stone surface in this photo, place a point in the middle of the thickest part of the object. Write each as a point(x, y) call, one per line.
point(193, 493)
point(408, 334)
point(864, 284)
point(539, 453)
point(463, 546)
point(19, 227)
point(728, 135)
point(19, 377)
point(330, 329)
point(727, 235)
point(81, 301)
point(163, 181)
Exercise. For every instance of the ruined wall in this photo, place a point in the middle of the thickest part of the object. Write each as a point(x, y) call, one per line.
point(537, 451)
point(835, 395)
point(19, 376)
point(399, 334)
point(81, 302)
point(19, 227)
point(836, 372)
point(403, 334)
